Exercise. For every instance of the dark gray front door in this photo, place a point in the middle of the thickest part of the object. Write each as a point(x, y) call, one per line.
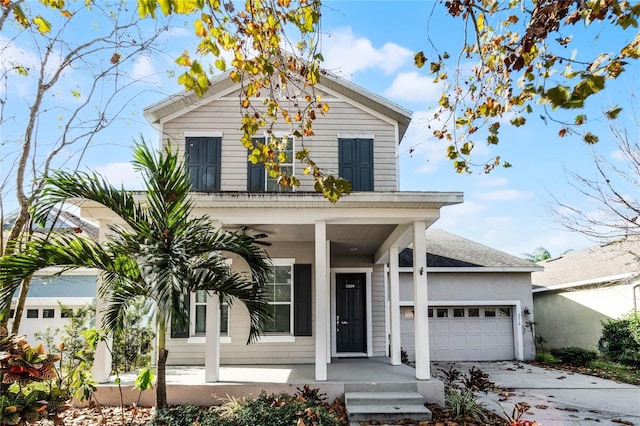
point(351, 318)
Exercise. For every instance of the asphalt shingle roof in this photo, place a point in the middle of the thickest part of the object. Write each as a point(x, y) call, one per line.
point(594, 263)
point(446, 250)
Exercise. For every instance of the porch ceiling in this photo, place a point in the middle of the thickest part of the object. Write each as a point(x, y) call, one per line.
point(346, 240)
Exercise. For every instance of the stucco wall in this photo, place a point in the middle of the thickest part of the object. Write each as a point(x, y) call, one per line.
point(574, 317)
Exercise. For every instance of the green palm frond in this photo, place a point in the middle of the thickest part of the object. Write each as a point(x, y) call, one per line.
point(161, 252)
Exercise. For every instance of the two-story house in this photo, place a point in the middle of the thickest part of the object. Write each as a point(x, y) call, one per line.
point(336, 278)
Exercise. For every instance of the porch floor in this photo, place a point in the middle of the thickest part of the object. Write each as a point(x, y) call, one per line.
point(186, 384)
point(341, 370)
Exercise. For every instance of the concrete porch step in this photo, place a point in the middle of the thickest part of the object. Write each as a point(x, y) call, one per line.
point(380, 387)
point(385, 406)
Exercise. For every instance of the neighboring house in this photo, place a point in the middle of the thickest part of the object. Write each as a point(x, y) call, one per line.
point(580, 289)
point(336, 289)
point(479, 301)
point(49, 289)
point(47, 292)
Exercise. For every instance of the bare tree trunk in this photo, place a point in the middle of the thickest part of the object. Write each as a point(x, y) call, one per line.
point(22, 298)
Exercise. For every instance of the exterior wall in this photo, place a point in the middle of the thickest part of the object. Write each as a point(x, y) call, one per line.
point(31, 326)
point(478, 287)
point(574, 317)
point(378, 305)
point(223, 116)
point(234, 348)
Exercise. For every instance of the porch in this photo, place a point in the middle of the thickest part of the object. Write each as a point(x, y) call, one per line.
point(187, 385)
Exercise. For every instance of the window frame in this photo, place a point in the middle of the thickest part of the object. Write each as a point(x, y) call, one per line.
point(290, 163)
point(274, 335)
point(30, 313)
point(47, 311)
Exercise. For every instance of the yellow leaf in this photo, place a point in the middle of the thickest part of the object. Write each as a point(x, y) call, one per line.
point(480, 22)
point(201, 31)
point(66, 13)
point(42, 24)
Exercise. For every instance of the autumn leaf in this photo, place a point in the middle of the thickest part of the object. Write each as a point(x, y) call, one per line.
point(115, 58)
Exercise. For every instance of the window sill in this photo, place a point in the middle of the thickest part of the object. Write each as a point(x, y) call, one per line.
point(202, 339)
point(276, 339)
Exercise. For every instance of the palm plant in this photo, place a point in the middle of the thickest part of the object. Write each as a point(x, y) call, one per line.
point(161, 252)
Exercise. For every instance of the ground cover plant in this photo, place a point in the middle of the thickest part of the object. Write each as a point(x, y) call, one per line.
point(306, 407)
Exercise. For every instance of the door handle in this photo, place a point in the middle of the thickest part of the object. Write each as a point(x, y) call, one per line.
point(344, 322)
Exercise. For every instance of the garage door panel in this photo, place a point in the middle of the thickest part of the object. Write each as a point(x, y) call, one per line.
point(460, 337)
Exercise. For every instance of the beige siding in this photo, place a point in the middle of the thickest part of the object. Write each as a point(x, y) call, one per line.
point(378, 312)
point(223, 116)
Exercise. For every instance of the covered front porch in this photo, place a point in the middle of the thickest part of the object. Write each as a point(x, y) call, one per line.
point(187, 384)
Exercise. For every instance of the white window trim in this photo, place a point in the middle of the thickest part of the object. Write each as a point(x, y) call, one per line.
point(201, 134)
point(201, 339)
point(273, 337)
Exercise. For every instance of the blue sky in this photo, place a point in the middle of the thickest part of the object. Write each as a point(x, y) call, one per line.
point(372, 44)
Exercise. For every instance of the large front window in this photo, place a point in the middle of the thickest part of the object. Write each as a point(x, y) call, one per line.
point(279, 294)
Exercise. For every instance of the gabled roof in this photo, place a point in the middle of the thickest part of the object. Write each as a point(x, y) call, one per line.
point(613, 262)
point(185, 101)
point(65, 221)
point(446, 250)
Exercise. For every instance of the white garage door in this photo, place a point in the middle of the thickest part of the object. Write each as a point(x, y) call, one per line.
point(463, 333)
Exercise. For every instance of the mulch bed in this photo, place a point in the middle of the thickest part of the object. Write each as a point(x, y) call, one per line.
point(140, 416)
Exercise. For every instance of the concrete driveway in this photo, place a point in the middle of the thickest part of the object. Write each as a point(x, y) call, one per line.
point(557, 397)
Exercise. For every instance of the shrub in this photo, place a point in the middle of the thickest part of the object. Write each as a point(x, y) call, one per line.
point(546, 358)
point(620, 340)
point(306, 407)
point(463, 405)
point(578, 357)
point(26, 391)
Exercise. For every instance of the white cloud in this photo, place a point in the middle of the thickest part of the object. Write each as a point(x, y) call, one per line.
point(487, 180)
point(345, 54)
point(454, 218)
point(145, 70)
point(413, 87)
point(617, 155)
point(505, 195)
point(420, 142)
point(120, 174)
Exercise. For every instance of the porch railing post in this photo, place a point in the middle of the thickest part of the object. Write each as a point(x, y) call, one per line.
point(394, 309)
point(421, 317)
point(212, 339)
point(322, 301)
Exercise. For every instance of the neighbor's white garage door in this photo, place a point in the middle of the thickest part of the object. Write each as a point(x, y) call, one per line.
point(461, 333)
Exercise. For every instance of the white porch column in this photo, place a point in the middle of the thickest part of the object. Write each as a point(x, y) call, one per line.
point(102, 357)
point(421, 317)
point(212, 339)
point(394, 302)
point(330, 323)
point(322, 301)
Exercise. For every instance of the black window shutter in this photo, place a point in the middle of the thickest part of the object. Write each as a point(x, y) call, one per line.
point(302, 300)
point(204, 162)
point(256, 173)
point(182, 330)
point(356, 163)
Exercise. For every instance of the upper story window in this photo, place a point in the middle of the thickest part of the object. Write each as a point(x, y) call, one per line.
point(203, 162)
point(356, 162)
point(259, 179)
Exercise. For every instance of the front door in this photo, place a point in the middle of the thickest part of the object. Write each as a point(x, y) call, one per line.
point(351, 318)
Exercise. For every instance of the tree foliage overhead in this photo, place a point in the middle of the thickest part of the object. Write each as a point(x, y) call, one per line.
point(522, 54)
point(276, 73)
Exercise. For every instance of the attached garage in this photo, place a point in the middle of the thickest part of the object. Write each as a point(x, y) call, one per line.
point(464, 333)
